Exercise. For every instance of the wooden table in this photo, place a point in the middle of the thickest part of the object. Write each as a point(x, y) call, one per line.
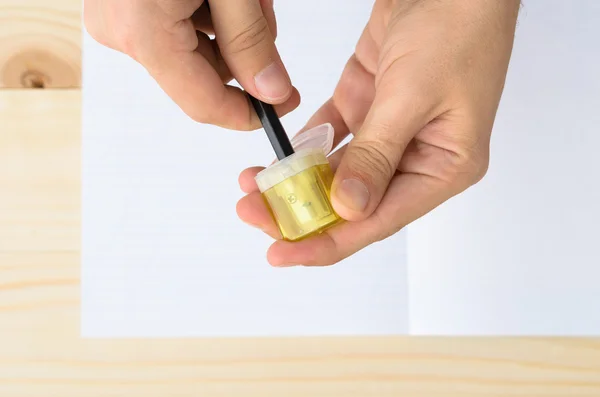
point(41, 353)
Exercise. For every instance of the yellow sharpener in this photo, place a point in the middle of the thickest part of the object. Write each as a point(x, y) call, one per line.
point(297, 190)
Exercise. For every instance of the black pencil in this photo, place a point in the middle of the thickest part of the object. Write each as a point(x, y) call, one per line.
point(273, 127)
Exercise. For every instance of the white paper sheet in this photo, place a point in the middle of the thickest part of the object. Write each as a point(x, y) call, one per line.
point(163, 251)
point(518, 254)
point(165, 256)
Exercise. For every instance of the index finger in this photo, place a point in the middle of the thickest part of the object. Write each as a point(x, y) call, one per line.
point(171, 55)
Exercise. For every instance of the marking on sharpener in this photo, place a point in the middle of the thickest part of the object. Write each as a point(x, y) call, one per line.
point(292, 199)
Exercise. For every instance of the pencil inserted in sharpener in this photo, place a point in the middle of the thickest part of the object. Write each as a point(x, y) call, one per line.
point(297, 189)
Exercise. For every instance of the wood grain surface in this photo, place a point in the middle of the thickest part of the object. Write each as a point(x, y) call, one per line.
point(41, 353)
point(40, 43)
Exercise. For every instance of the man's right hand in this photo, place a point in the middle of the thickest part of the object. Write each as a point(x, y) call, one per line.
point(170, 38)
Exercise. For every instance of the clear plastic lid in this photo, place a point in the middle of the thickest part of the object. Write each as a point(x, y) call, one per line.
point(311, 148)
point(318, 137)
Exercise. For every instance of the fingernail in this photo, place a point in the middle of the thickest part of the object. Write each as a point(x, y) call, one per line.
point(353, 194)
point(272, 82)
point(288, 265)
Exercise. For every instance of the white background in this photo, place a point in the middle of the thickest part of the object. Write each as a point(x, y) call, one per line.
point(518, 254)
point(164, 255)
point(163, 251)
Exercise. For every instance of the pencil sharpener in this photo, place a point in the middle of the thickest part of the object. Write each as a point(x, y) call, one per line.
point(297, 189)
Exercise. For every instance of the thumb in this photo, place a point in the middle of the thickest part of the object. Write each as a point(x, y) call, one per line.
point(373, 156)
point(247, 44)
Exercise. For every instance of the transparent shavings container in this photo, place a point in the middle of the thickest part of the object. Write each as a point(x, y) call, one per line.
point(297, 189)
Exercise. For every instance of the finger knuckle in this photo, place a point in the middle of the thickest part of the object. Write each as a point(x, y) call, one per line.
point(250, 38)
point(179, 9)
point(385, 229)
point(127, 39)
point(92, 24)
point(200, 115)
point(480, 170)
point(467, 169)
point(370, 158)
point(122, 35)
point(89, 20)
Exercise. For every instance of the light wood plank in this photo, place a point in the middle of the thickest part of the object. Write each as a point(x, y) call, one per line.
point(39, 170)
point(40, 43)
point(41, 353)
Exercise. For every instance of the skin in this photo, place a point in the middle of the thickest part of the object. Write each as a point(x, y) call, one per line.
point(172, 40)
point(420, 95)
